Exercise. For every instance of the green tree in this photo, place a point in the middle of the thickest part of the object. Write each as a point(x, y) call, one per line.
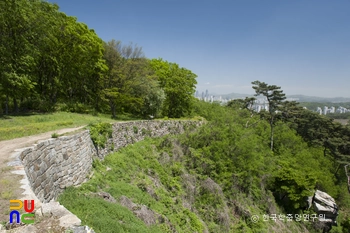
point(153, 98)
point(320, 131)
point(47, 55)
point(274, 96)
point(246, 103)
point(128, 79)
point(178, 85)
point(17, 53)
point(80, 61)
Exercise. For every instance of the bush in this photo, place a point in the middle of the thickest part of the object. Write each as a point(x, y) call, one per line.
point(76, 108)
point(100, 133)
point(37, 105)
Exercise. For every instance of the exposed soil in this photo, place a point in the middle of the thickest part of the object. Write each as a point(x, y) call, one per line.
point(9, 182)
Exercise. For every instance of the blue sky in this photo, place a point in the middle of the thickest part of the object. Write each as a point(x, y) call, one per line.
point(301, 45)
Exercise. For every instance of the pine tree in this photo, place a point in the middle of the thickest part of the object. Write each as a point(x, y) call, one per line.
point(274, 96)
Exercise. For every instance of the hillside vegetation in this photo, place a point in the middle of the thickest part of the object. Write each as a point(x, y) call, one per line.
point(239, 166)
point(50, 62)
point(213, 179)
point(35, 123)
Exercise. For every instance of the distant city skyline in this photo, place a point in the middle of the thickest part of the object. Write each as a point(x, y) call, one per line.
point(248, 90)
point(223, 98)
point(302, 46)
point(242, 95)
point(261, 103)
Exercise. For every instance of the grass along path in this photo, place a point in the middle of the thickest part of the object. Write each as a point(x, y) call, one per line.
point(20, 126)
point(21, 131)
point(9, 183)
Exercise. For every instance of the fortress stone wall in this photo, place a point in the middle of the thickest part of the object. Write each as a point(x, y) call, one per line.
point(57, 163)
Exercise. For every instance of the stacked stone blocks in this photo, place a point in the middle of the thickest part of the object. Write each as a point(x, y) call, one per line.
point(54, 164)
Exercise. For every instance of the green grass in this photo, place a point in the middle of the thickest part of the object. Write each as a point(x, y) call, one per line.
point(130, 175)
point(105, 217)
point(142, 173)
point(20, 126)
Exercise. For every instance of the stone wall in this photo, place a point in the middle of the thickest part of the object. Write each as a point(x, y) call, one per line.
point(126, 133)
point(55, 164)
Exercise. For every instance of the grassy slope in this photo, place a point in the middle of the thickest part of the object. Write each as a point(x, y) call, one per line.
point(128, 176)
point(171, 177)
point(143, 173)
point(20, 126)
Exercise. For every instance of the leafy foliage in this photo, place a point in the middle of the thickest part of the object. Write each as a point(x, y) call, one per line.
point(100, 132)
point(178, 85)
point(48, 58)
point(217, 177)
point(274, 96)
point(213, 179)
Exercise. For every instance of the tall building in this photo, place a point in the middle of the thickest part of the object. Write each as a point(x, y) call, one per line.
point(325, 110)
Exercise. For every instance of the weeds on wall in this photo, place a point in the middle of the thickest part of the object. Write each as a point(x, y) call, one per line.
point(100, 132)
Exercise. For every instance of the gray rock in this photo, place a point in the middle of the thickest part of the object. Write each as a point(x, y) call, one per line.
point(54, 209)
point(82, 229)
point(26, 229)
point(69, 220)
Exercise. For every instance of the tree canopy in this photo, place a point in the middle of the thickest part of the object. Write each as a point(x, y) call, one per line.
point(50, 61)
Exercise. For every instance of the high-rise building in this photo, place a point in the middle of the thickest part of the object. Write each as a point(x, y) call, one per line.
point(325, 110)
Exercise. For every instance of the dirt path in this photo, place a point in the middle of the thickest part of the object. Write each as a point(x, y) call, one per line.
point(8, 146)
point(10, 187)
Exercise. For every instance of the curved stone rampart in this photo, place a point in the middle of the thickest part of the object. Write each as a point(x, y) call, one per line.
point(57, 163)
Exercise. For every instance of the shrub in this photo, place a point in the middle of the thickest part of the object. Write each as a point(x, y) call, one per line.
point(100, 133)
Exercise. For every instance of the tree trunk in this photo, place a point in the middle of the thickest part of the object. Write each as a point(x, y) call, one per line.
point(271, 138)
point(271, 134)
point(113, 109)
point(114, 113)
point(15, 105)
point(7, 105)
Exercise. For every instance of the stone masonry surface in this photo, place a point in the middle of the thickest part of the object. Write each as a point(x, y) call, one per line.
point(54, 164)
